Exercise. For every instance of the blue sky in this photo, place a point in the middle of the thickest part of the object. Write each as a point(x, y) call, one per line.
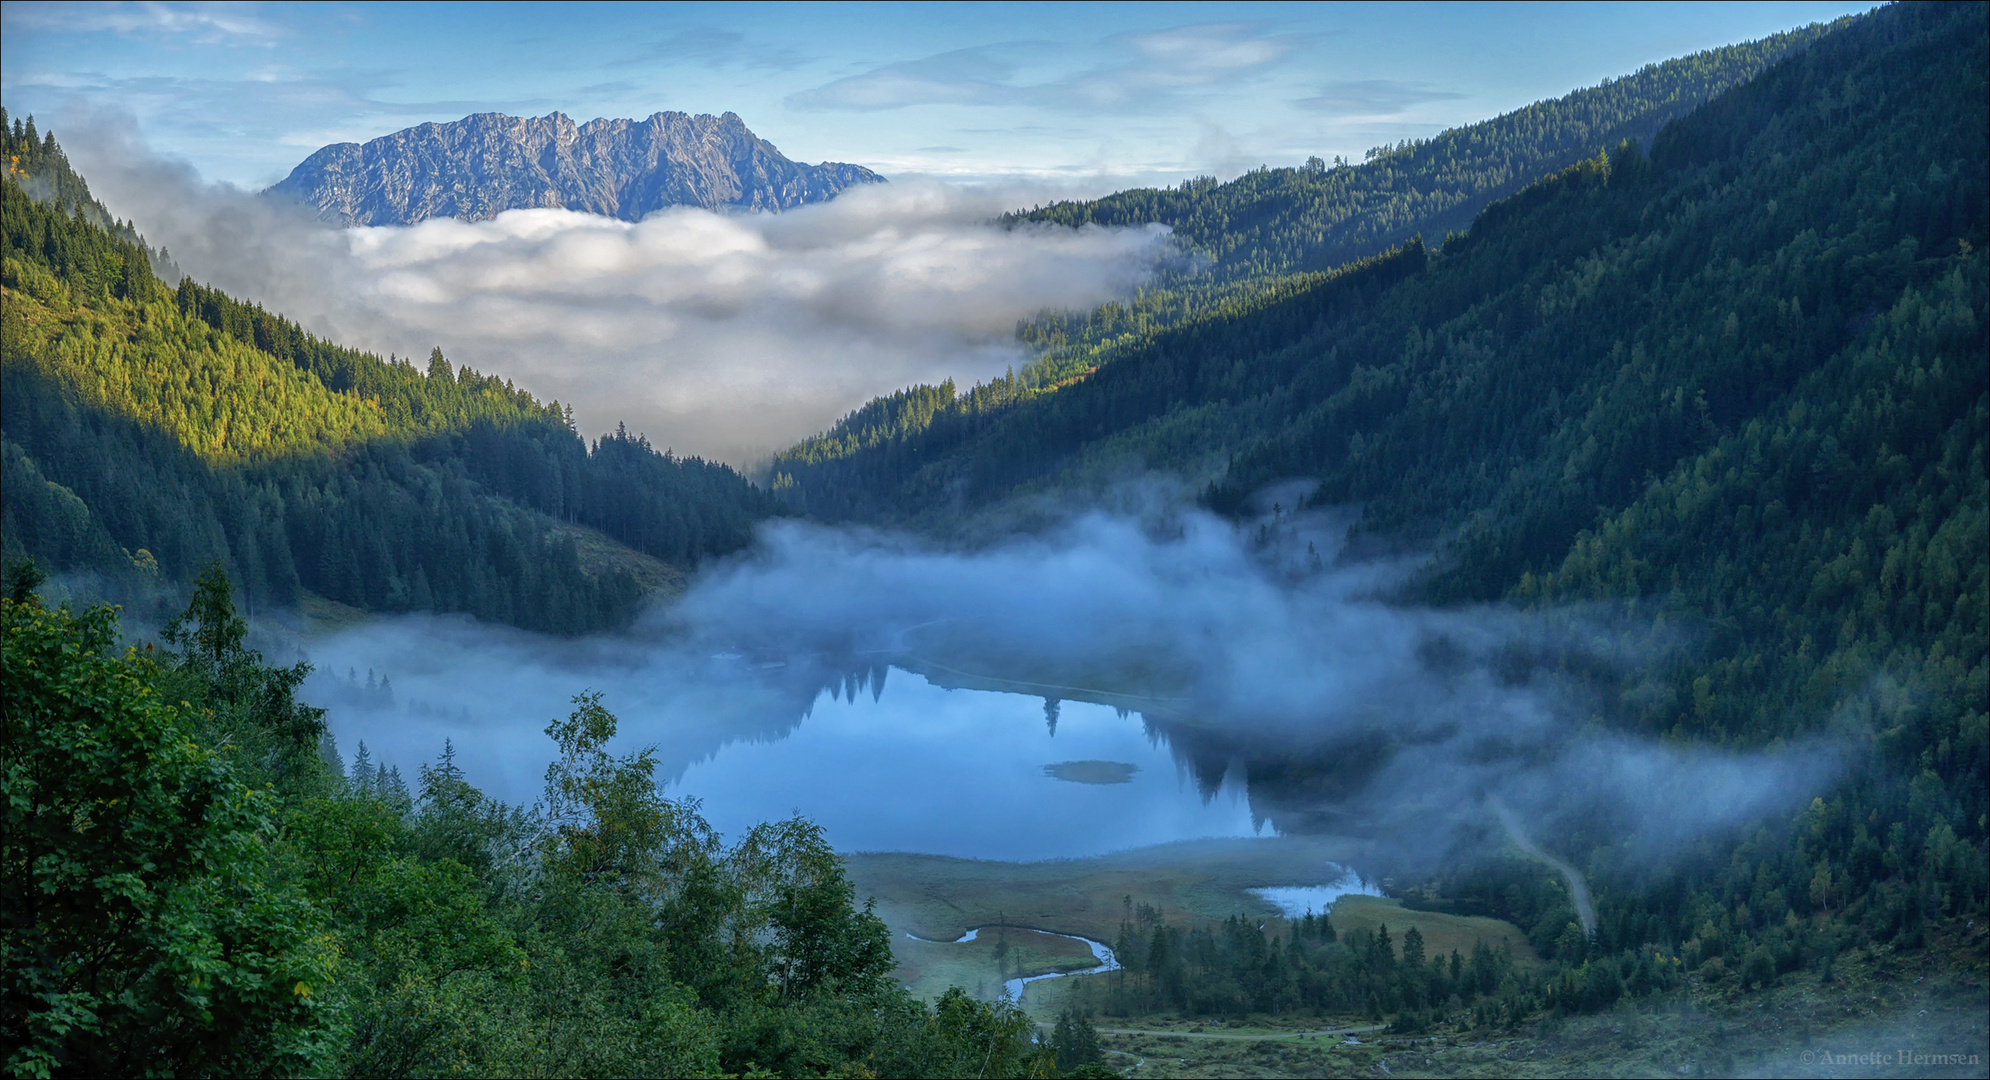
point(1097, 95)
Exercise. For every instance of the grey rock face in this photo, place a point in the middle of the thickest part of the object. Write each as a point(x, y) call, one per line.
point(482, 165)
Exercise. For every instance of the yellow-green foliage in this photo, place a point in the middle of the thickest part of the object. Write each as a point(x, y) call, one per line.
point(224, 400)
point(196, 426)
point(1442, 932)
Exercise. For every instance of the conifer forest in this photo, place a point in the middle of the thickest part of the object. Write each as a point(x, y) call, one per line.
point(1514, 604)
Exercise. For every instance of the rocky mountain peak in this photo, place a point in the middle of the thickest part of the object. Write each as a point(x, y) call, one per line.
point(487, 163)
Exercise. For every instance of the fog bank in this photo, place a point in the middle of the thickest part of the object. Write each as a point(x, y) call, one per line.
point(727, 336)
point(1264, 662)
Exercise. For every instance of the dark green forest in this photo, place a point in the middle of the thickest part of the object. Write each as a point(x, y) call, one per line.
point(1239, 237)
point(194, 886)
point(1319, 216)
point(1705, 349)
point(149, 430)
point(1234, 968)
point(1253, 240)
point(37, 163)
point(1731, 379)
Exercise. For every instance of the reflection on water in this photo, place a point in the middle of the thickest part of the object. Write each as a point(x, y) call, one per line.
point(960, 772)
point(810, 673)
point(1296, 901)
point(883, 759)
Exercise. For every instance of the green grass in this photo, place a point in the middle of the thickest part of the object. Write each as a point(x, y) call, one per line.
point(600, 554)
point(939, 898)
point(1441, 932)
point(928, 968)
point(936, 896)
point(326, 616)
point(1877, 1002)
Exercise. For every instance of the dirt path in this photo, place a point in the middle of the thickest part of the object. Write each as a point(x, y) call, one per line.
point(1578, 887)
point(1239, 1038)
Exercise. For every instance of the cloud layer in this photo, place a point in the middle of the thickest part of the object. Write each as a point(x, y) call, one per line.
point(1126, 73)
point(205, 23)
point(1258, 651)
point(1252, 657)
point(725, 336)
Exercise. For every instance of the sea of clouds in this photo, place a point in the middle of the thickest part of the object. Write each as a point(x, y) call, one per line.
point(731, 335)
point(724, 335)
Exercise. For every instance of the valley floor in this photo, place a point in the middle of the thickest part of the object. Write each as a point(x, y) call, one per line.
point(937, 898)
point(1882, 1015)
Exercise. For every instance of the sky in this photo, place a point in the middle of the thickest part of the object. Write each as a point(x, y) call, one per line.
point(1141, 93)
point(733, 336)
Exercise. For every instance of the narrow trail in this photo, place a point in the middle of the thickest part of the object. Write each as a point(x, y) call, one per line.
point(1585, 911)
point(1240, 1038)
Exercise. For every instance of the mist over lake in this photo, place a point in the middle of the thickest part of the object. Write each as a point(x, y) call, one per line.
point(1207, 679)
point(995, 540)
point(917, 767)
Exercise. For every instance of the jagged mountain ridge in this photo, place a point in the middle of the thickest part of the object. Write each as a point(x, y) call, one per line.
point(486, 163)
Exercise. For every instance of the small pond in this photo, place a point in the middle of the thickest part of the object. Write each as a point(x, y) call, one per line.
point(1296, 901)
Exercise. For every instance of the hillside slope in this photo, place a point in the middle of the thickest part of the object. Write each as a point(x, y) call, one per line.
point(1248, 233)
point(1736, 382)
point(149, 430)
point(1320, 215)
point(1259, 238)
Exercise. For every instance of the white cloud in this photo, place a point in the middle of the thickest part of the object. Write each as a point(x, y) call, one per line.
point(1144, 73)
point(1374, 97)
point(205, 22)
point(1197, 54)
point(1387, 721)
point(722, 335)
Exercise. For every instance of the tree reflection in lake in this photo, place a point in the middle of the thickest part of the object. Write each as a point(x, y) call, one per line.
point(884, 759)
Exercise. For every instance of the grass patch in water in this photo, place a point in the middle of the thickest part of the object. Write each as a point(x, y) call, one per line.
point(1092, 772)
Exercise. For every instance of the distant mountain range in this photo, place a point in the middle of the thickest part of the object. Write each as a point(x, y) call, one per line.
point(482, 165)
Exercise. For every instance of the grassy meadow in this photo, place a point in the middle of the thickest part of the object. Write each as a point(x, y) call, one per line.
point(939, 898)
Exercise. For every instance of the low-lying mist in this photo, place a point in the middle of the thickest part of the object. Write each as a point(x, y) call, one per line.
point(1259, 654)
point(724, 335)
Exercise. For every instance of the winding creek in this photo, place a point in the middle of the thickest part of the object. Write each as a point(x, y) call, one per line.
point(1014, 987)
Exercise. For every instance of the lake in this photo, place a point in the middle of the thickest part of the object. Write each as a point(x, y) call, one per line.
point(884, 759)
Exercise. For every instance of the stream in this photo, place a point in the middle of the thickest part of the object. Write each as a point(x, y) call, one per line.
point(1014, 987)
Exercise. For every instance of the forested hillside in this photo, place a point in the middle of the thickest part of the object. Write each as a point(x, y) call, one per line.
point(37, 163)
point(1733, 379)
point(1257, 239)
point(1719, 381)
point(195, 886)
point(1271, 222)
point(149, 430)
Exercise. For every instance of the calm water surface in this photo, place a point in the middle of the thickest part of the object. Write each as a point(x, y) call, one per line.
point(963, 772)
point(885, 761)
